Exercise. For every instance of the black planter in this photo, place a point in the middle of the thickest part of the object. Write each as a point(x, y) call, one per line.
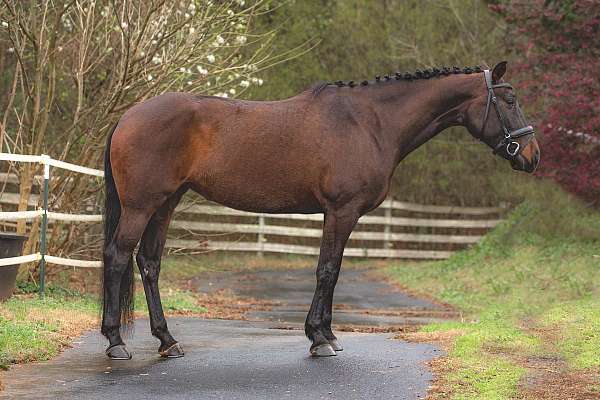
point(10, 246)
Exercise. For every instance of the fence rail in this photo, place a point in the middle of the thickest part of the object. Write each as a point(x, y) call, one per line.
point(385, 237)
point(429, 217)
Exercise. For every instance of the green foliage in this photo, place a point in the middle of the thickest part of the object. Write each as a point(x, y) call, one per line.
point(358, 39)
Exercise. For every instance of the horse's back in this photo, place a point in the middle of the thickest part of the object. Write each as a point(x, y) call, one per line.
point(244, 154)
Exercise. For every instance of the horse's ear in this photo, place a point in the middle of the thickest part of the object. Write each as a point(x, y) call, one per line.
point(498, 71)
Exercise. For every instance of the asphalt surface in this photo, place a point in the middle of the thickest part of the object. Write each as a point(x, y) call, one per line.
point(361, 298)
point(229, 360)
point(253, 359)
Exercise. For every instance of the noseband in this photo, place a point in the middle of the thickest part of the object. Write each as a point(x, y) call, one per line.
point(508, 142)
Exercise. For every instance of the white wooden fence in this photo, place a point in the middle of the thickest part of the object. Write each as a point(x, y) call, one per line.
point(385, 237)
point(454, 227)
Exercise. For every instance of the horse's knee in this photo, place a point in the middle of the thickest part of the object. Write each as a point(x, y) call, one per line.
point(115, 261)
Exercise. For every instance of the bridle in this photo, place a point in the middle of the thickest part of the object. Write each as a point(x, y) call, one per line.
point(508, 142)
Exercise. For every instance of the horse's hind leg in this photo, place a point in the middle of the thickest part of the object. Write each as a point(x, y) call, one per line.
point(336, 230)
point(118, 278)
point(148, 259)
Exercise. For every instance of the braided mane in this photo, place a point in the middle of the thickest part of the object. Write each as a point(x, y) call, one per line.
point(398, 76)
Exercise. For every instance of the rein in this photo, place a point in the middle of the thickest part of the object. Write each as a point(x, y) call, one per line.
point(508, 142)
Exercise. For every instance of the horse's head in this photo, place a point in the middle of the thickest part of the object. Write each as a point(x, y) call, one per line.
point(495, 118)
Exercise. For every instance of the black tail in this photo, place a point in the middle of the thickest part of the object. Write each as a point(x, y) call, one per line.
point(112, 213)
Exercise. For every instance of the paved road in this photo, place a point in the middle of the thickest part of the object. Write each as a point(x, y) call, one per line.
point(252, 359)
point(229, 360)
point(361, 298)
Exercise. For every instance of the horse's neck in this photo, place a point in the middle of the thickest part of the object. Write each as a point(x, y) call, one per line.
point(414, 112)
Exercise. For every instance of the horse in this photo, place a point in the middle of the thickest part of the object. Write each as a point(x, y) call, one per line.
point(331, 149)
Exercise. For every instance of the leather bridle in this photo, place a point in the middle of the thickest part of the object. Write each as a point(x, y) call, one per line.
point(508, 143)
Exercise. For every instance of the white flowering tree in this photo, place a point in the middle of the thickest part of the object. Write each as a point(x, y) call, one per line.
point(70, 68)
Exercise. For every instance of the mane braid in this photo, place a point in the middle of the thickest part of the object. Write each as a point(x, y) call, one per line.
point(398, 76)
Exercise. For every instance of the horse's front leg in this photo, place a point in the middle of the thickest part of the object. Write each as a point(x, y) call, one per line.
point(336, 230)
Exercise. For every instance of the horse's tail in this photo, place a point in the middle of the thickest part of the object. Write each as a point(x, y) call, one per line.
point(112, 213)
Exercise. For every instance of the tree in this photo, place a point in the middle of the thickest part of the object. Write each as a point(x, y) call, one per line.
point(559, 59)
point(70, 68)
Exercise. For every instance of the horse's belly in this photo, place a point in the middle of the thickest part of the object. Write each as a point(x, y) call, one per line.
point(265, 196)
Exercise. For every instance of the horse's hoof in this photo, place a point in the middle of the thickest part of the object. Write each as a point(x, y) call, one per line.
point(118, 352)
point(175, 351)
point(322, 350)
point(336, 345)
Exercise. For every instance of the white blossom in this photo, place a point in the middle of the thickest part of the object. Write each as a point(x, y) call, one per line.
point(210, 58)
point(201, 70)
point(149, 77)
point(232, 91)
point(5, 24)
point(244, 84)
point(220, 39)
point(10, 50)
point(192, 30)
point(241, 39)
point(182, 69)
point(124, 25)
point(260, 82)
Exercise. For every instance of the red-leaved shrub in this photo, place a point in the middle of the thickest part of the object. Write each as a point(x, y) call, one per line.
point(557, 44)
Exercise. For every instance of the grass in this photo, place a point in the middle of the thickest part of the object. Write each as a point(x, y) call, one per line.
point(580, 331)
point(529, 289)
point(35, 329)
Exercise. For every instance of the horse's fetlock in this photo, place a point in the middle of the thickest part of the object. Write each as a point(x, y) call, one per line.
point(110, 331)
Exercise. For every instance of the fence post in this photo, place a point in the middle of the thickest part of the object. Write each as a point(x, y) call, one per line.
point(45, 160)
point(388, 225)
point(261, 235)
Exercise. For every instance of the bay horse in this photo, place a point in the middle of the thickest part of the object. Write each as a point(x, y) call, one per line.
point(331, 149)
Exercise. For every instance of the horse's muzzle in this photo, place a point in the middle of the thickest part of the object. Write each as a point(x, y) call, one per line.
point(522, 163)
